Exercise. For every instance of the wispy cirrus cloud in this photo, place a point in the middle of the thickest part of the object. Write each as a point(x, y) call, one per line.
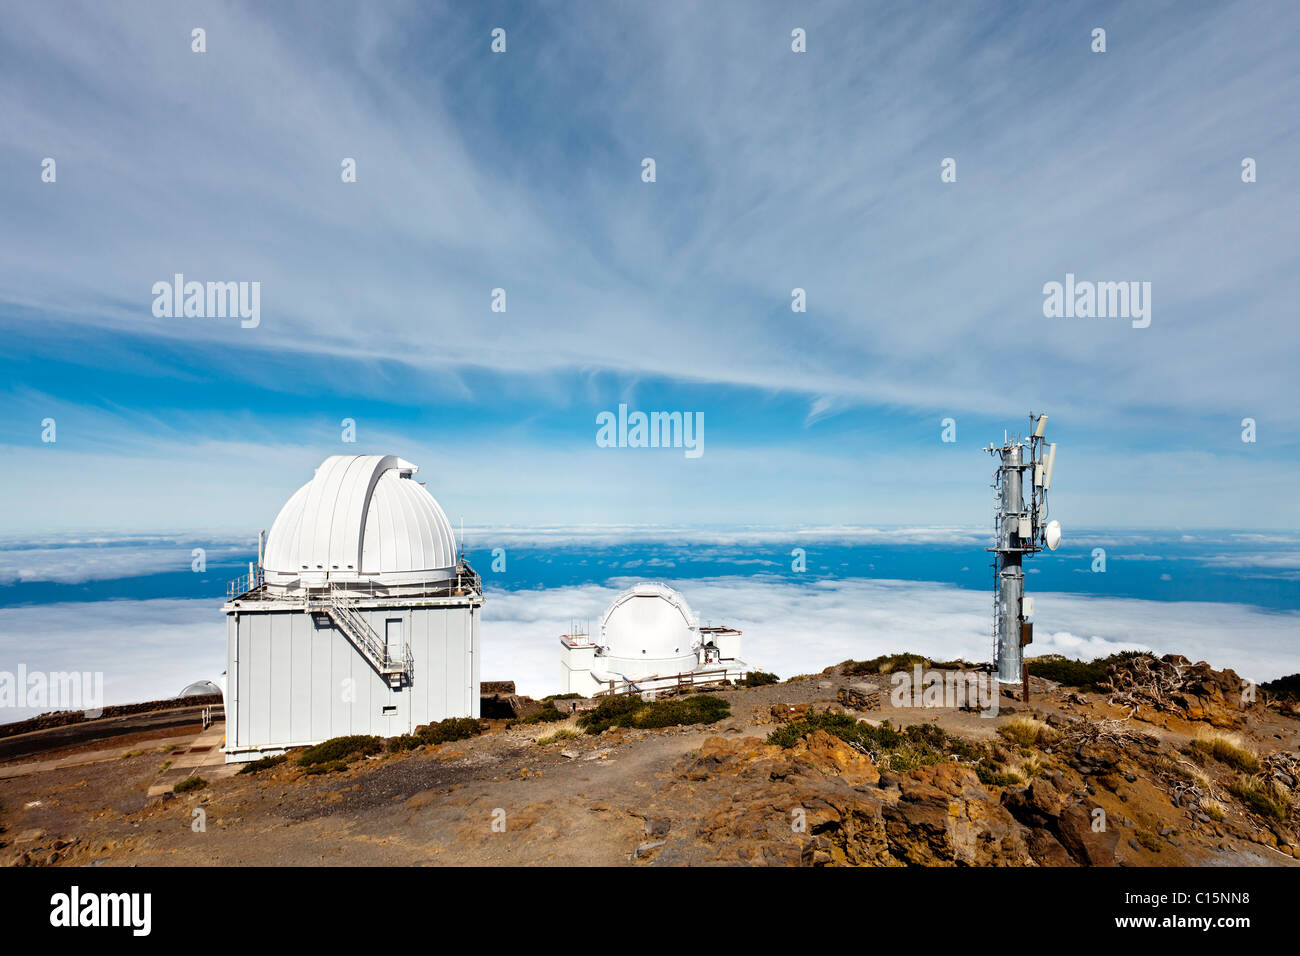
point(756, 192)
point(776, 171)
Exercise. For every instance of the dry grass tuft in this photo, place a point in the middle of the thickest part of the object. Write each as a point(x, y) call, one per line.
point(1225, 748)
point(549, 732)
point(1027, 731)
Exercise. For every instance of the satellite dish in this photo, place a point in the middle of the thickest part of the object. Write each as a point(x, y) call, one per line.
point(1053, 535)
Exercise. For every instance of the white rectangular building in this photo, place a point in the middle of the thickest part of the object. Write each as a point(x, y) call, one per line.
point(359, 618)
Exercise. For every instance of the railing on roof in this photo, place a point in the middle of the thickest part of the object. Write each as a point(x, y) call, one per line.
point(244, 584)
point(339, 601)
point(465, 582)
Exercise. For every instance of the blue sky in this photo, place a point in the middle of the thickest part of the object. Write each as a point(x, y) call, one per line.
point(775, 170)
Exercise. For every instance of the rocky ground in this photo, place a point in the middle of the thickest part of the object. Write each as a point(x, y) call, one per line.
point(1109, 778)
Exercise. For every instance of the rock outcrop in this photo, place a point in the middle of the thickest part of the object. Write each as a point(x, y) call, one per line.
point(1062, 834)
point(820, 802)
point(1174, 686)
point(860, 696)
point(944, 816)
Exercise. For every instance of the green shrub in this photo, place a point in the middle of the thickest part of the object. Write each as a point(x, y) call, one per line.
point(340, 748)
point(329, 766)
point(848, 729)
point(264, 763)
point(1148, 840)
point(1072, 673)
point(554, 697)
point(610, 712)
point(991, 775)
point(190, 784)
point(632, 711)
point(888, 747)
point(443, 732)
point(547, 715)
point(1284, 688)
point(883, 664)
point(451, 729)
point(758, 679)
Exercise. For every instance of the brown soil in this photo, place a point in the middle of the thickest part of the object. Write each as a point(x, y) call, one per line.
point(624, 798)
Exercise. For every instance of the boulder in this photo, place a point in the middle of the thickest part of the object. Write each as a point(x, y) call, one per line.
point(944, 817)
point(788, 712)
point(1037, 805)
point(1086, 845)
point(830, 754)
point(860, 696)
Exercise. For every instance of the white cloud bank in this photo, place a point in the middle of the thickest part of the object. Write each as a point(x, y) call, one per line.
point(150, 649)
point(146, 650)
point(74, 564)
point(793, 629)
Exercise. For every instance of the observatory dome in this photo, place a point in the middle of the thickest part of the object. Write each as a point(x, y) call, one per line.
point(649, 630)
point(362, 518)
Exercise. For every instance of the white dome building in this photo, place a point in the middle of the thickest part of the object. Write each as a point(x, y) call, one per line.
point(649, 630)
point(359, 587)
point(649, 639)
point(361, 519)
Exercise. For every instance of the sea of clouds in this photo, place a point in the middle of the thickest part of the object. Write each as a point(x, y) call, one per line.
point(150, 649)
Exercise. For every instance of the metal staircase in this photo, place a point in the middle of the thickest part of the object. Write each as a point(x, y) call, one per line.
point(373, 648)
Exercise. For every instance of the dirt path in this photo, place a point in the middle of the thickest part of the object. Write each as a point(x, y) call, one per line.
point(82, 757)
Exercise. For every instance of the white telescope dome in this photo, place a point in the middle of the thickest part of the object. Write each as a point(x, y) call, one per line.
point(362, 518)
point(649, 630)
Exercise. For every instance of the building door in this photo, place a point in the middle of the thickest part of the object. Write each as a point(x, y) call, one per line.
point(393, 637)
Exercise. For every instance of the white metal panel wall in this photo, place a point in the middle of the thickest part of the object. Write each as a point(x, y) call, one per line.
point(300, 696)
point(287, 677)
point(232, 697)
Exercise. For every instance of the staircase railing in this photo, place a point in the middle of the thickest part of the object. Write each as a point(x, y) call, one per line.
point(358, 630)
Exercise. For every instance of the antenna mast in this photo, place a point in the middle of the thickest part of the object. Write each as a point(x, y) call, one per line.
point(1020, 528)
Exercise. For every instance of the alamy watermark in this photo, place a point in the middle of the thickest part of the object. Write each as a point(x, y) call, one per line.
point(44, 691)
point(1098, 300)
point(74, 908)
point(651, 430)
point(973, 690)
point(208, 300)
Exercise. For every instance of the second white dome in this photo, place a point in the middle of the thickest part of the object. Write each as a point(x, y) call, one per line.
point(649, 630)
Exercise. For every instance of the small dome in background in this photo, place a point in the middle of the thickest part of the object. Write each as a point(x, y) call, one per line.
point(200, 688)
